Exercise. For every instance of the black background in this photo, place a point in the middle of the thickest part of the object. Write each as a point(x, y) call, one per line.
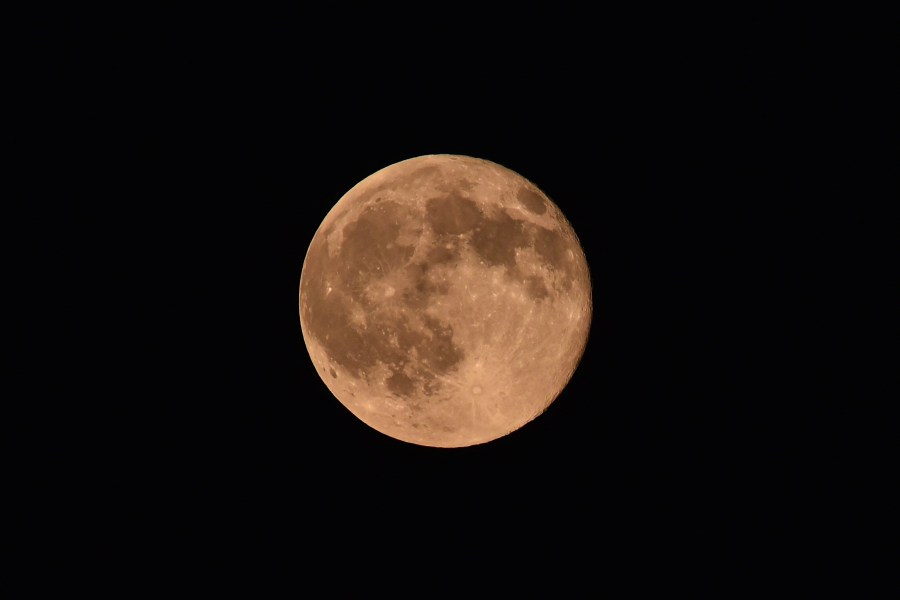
point(711, 163)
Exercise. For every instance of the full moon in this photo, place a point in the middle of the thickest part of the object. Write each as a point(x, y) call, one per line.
point(445, 301)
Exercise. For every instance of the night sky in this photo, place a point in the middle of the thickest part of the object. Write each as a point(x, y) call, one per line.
point(706, 161)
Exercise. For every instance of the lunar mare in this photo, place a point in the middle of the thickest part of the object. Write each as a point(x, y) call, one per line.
point(445, 301)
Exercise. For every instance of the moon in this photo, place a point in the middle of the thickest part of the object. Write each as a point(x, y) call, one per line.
point(445, 301)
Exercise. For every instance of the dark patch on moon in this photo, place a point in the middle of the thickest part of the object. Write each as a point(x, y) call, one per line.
point(444, 253)
point(369, 243)
point(434, 352)
point(423, 286)
point(431, 386)
point(438, 349)
point(333, 373)
point(367, 253)
point(535, 287)
point(496, 239)
point(554, 249)
point(357, 349)
point(531, 200)
point(400, 383)
point(327, 313)
point(329, 321)
point(453, 214)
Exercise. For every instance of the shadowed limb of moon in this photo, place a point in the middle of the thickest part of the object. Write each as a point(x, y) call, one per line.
point(445, 301)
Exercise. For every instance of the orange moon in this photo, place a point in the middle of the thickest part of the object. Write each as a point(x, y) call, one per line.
point(445, 301)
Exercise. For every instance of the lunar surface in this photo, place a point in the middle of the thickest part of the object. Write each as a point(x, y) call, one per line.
point(445, 301)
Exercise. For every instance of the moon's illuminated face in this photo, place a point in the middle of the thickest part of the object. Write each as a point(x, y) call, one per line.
point(445, 301)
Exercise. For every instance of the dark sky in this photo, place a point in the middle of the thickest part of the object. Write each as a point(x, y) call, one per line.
point(709, 162)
